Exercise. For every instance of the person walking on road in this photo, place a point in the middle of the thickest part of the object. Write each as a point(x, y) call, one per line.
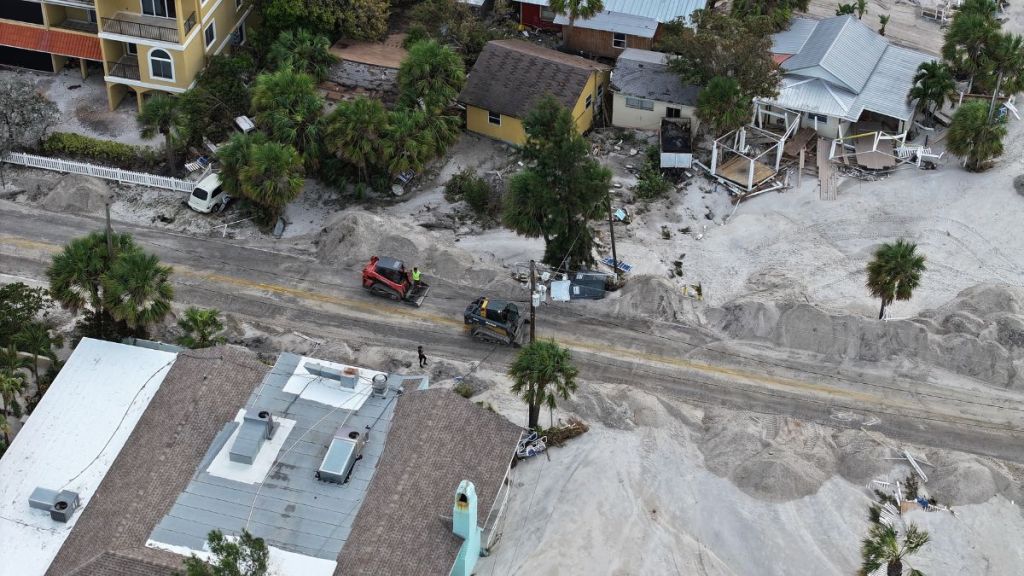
point(423, 357)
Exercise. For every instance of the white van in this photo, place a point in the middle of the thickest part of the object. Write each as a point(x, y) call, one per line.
point(208, 196)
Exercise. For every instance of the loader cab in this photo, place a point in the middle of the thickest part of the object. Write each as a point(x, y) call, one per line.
point(498, 311)
point(391, 269)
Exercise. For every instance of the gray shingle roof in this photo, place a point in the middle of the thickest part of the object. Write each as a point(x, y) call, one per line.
point(203, 389)
point(437, 439)
point(840, 68)
point(645, 74)
point(511, 76)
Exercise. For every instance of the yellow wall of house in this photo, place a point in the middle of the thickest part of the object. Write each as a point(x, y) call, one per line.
point(511, 129)
point(225, 16)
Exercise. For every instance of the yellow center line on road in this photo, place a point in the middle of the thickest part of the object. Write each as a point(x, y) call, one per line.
point(599, 348)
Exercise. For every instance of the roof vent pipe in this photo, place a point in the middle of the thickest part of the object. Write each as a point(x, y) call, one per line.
point(266, 415)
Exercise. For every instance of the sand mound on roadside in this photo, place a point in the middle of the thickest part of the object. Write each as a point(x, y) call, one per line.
point(351, 237)
point(651, 297)
point(979, 334)
point(769, 457)
point(77, 194)
point(862, 459)
point(959, 478)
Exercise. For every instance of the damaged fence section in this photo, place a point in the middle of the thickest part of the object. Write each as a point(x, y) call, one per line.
point(105, 172)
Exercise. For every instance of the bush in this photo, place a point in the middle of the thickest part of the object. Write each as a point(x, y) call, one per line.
point(652, 183)
point(416, 33)
point(105, 151)
point(474, 191)
point(463, 389)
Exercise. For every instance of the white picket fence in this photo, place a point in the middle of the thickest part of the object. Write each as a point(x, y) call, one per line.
point(106, 172)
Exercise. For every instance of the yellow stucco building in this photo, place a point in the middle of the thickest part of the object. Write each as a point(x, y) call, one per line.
point(511, 76)
point(141, 45)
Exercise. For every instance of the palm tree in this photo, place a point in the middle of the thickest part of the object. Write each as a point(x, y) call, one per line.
point(303, 51)
point(722, 106)
point(11, 384)
point(542, 371)
point(883, 547)
point(271, 178)
point(573, 10)
point(357, 133)
point(35, 339)
point(973, 137)
point(1004, 55)
point(431, 77)
point(968, 35)
point(895, 272)
point(288, 107)
point(76, 273)
point(137, 290)
point(5, 431)
point(160, 113)
point(862, 8)
point(932, 83)
point(409, 145)
point(883, 19)
point(202, 327)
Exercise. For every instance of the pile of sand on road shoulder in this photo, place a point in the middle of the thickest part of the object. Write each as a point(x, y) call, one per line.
point(77, 194)
point(979, 334)
point(651, 297)
point(350, 238)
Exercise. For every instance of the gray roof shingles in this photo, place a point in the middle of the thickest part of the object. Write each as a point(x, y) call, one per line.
point(511, 76)
point(645, 74)
point(437, 439)
point(202, 390)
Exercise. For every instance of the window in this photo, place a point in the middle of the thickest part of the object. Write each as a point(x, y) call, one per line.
point(131, 48)
point(590, 101)
point(673, 112)
point(92, 16)
point(238, 38)
point(494, 118)
point(819, 118)
point(618, 40)
point(547, 14)
point(161, 65)
point(639, 103)
point(211, 33)
point(162, 8)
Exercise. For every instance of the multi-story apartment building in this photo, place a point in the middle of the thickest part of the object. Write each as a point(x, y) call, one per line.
point(141, 46)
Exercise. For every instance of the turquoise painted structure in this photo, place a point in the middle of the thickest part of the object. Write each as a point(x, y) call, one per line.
point(464, 525)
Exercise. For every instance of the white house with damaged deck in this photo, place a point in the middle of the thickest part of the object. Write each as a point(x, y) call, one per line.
point(838, 72)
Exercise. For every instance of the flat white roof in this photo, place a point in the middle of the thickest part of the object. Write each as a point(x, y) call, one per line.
point(330, 392)
point(70, 441)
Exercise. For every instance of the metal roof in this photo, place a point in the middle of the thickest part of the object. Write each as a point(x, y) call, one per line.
point(840, 50)
point(841, 68)
point(660, 10)
point(290, 508)
point(630, 24)
point(645, 74)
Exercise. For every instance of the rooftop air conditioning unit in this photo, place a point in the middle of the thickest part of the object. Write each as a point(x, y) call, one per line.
point(346, 447)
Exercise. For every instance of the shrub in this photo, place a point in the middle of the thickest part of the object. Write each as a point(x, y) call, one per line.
point(652, 183)
point(463, 389)
point(105, 151)
point(474, 191)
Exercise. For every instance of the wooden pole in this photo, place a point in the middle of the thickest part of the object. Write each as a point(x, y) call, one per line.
point(611, 230)
point(110, 240)
point(533, 309)
point(800, 171)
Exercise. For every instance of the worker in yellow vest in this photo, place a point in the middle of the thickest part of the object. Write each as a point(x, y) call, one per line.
point(416, 276)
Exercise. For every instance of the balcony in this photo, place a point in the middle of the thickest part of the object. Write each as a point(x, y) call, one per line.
point(78, 26)
point(149, 27)
point(127, 67)
point(84, 4)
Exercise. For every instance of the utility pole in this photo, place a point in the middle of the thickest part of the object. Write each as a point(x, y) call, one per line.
point(611, 229)
point(110, 240)
point(533, 294)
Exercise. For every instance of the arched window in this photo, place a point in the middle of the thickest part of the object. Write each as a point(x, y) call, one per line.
point(161, 65)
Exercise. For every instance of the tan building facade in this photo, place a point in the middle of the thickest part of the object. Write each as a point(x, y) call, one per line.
point(142, 45)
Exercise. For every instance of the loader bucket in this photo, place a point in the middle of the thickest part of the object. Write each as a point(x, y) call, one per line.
point(416, 297)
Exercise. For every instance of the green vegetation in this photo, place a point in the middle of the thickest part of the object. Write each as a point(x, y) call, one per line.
point(541, 373)
point(895, 272)
point(268, 174)
point(574, 10)
point(220, 95)
point(651, 183)
point(722, 106)
point(468, 187)
point(302, 51)
point(160, 114)
point(121, 289)
point(430, 77)
point(25, 116)
point(933, 83)
point(76, 146)
point(974, 137)
point(355, 19)
point(20, 305)
point(451, 23)
point(884, 547)
point(245, 556)
point(561, 189)
point(202, 328)
point(288, 110)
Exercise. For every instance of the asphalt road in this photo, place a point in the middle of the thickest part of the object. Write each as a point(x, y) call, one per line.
point(289, 291)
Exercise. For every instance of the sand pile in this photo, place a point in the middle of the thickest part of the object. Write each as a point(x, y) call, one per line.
point(768, 457)
point(351, 237)
point(77, 194)
point(651, 297)
point(979, 334)
point(957, 478)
